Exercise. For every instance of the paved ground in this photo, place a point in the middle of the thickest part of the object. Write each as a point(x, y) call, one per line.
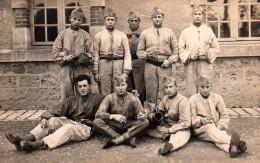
point(91, 151)
point(32, 115)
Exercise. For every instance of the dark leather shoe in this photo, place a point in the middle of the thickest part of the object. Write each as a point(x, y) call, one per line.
point(166, 149)
point(26, 146)
point(14, 140)
point(234, 143)
point(108, 144)
point(242, 147)
point(131, 142)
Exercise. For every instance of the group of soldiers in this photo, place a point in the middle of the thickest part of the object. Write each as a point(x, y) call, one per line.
point(132, 67)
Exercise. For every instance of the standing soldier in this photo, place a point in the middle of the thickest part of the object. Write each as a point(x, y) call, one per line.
point(73, 50)
point(136, 76)
point(198, 50)
point(112, 54)
point(158, 46)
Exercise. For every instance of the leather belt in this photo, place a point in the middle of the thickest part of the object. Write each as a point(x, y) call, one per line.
point(111, 57)
point(156, 63)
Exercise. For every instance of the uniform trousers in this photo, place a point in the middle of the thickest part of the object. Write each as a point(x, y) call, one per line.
point(136, 78)
point(153, 76)
point(211, 133)
point(61, 130)
point(193, 70)
point(178, 139)
point(107, 70)
point(114, 129)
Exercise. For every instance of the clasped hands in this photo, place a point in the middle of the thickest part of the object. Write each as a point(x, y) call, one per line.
point(153, 57)
point(200, 55)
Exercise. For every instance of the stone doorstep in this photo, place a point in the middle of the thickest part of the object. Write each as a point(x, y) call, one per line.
point(31, 115)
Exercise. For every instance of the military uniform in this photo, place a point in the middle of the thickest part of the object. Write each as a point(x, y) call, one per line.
point(80, 45)
point(136, 76)
point(162, 40)
point(112, 56)
point(197, 40)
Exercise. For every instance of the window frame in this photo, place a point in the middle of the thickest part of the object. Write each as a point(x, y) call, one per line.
point(61, 20)
point(234, 21)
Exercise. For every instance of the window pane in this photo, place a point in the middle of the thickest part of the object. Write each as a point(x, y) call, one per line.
point(214, 27)
point(52, 33)
point(243, 29)
point(212, 13)
point(86, 14)
point(86, 28)
point(51, 3)
point(225, 30)
point(83, 2)
point(38, 3)
point(255, 12)
point(52, 16)
point(39, 33)
point(70, 2)
point(224, 12)
point(67, 15)
point(39, 16)
point(243, 12)
point(255, 31)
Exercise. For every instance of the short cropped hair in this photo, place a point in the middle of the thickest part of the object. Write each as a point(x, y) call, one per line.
point(81, 78)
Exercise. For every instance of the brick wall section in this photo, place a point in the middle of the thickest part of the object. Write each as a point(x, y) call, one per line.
point(96, 16)
point(22, 18)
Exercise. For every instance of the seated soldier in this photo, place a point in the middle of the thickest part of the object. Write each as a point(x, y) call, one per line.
point(176, 121)
point(70, 121)
point(210, 119)
point(120, 115)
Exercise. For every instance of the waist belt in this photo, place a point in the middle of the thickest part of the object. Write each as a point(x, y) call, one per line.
point(109, 57)
point(156, 63)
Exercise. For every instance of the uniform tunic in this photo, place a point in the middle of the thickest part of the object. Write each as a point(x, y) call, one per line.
point(71, 42)
point(63, 125)
point(213, 108)
point(108, 44)
point(164, 41)
point(197, 40)
point(136, 76)
point(177, 118)
point(129, 106)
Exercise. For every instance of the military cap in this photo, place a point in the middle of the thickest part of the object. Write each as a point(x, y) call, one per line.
point(203, 80)
point(156, 11)
point(110, 12)
point(119, 79)
point(199, 8)
point(77, 13)
point(133, 15)
point(168, 79)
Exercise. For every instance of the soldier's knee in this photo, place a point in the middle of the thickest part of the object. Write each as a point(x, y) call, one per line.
point(97, 122)
point(145, 123)
point(53, 121)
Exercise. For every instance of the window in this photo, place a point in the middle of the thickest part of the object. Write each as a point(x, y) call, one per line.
point(234, 19)
point(49, 17)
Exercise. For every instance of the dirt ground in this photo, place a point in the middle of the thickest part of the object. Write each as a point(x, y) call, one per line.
point(146, 151)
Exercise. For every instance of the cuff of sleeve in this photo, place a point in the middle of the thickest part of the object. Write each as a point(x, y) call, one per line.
point(171, 130)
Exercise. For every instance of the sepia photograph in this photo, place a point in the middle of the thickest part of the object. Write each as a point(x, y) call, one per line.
point(129, 81)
